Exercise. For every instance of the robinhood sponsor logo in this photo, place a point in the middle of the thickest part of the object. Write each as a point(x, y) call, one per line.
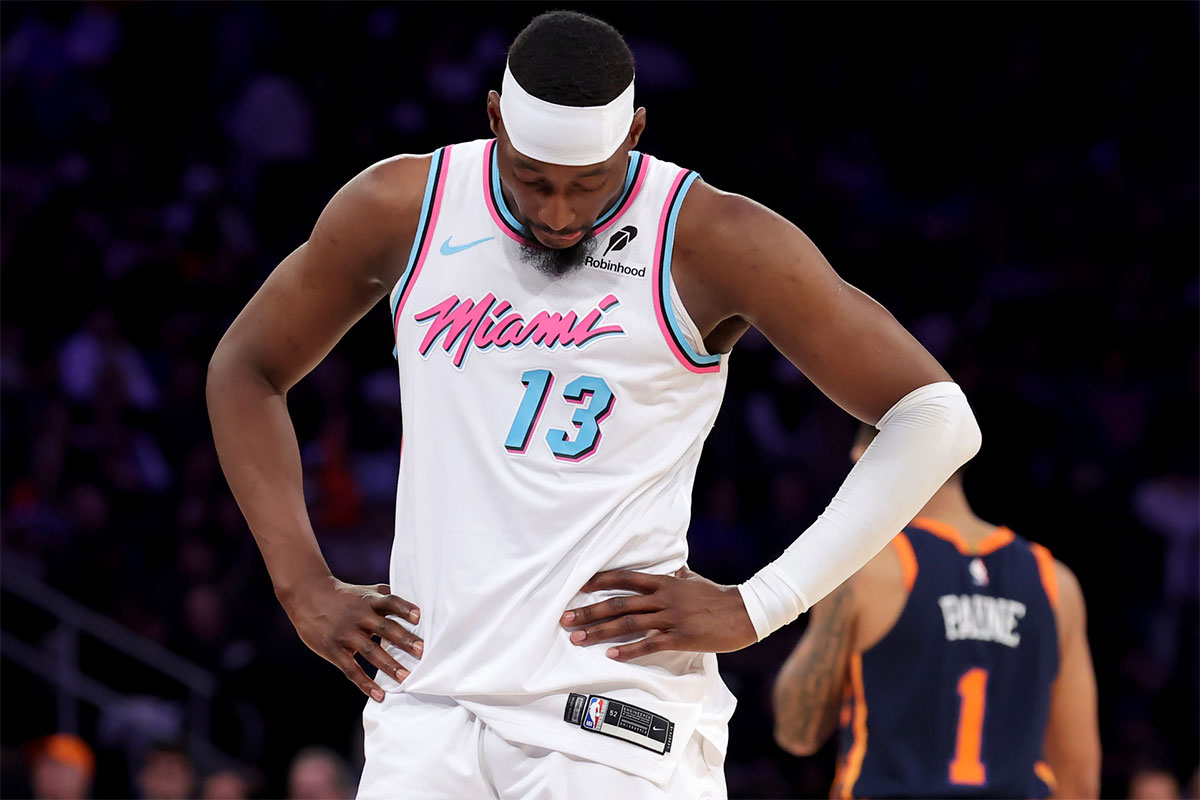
point(619, 239)
point(614, 266)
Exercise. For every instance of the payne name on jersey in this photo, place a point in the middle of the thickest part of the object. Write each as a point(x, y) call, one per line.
point(982, 618)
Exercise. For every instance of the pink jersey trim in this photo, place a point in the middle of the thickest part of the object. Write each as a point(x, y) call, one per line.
point(659, 291)
point(487, 195)
point(637, 187)
point(429, 229)
point(639, 179)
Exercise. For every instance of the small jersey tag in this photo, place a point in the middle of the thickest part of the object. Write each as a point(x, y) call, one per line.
point(621, 721)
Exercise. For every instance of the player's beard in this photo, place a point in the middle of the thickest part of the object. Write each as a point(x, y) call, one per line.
point(557, 262)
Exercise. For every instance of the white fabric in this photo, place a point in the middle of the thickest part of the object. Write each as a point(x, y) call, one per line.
point(492, 545)
point(573, 136)
point(922, 440)
point(430, 748)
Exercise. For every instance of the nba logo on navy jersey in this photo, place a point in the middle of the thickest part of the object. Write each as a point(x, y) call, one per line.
point(979, 573)
point(595, 713)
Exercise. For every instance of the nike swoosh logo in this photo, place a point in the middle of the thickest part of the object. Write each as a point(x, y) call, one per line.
point(450, 249)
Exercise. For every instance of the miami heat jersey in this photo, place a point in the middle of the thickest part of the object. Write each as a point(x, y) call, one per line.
point(552, 427)
point(953, 701)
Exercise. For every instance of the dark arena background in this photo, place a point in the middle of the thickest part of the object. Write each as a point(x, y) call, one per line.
point(1016, 182)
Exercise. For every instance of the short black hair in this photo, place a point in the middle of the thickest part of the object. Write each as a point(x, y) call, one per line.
point(571, 59)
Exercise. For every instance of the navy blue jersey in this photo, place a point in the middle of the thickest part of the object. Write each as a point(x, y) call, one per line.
point(953, 701)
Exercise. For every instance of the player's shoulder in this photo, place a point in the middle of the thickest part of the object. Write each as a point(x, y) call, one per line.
point(1070, 593)
point(1066, 598)
point(372, 218)
point(1062, 588)
point(379, 206)
point(890, 567)
point(711, 216)
point(392, 184)
point(716, 229)
point(1059, 580)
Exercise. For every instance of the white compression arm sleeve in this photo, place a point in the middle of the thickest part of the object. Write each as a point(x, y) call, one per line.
point(922, 440)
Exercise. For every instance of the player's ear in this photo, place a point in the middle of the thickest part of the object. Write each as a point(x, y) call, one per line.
point(636, 127)
point(493, 112)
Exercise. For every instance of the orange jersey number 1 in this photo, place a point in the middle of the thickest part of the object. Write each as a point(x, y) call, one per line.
point(966, 769)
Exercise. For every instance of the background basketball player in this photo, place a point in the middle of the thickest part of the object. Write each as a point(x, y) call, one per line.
point(958, 659)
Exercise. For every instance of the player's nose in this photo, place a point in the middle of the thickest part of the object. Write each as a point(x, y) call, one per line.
point(556, 214)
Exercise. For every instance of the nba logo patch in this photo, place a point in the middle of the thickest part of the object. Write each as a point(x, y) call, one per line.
point(979, 573)
point(595, 714)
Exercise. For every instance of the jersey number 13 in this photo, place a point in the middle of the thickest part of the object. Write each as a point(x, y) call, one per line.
point(591, 394)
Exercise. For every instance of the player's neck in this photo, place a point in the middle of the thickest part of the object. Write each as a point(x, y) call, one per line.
point(949, 505)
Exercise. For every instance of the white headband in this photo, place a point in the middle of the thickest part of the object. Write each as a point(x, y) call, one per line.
point(573, 136)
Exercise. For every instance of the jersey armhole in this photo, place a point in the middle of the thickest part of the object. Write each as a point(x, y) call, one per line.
point(1045, 564)
point(435, 184)
point(873, 630)
point(908, 559)
point(680, 332)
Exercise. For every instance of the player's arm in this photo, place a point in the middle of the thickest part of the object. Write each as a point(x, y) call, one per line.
point(301, 311)
point(759, 267)
point(1072, 745)
point(808, 690)
point(852, 618)
point(740, 261)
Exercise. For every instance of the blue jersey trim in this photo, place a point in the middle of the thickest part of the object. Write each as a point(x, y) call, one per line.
point(635, 160)
point(435, 166)
point(501, 205)
point(664, 288)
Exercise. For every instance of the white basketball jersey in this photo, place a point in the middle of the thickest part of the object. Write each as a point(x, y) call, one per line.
point(552, 427)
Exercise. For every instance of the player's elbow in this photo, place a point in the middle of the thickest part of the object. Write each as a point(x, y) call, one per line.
point(1076, 767)
point(968, 436)
point(218, 372)
point(1078, 784)
point(222, 372)
point(796, 742)
point(231, 369)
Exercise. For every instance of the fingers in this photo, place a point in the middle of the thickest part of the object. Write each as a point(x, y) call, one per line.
point(651, 644)
point(624, 579)
point(387, 603)
point(355, 674)
point(397, 635)
point(375, 654)
point(621, 626)
point(613, 607)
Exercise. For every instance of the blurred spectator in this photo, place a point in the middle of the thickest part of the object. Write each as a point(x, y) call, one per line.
point(1153, 783)
point(63, 766)
point(319, 773)
point(225, 784)
point(166, 773)
point(93, 349)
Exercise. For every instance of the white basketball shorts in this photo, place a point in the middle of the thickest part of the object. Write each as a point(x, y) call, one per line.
point(421, 747)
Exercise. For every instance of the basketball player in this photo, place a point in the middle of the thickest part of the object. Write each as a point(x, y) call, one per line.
point(959, 659)
point(563, 307)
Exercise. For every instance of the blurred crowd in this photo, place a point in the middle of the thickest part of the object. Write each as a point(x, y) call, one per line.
point(1023, 197)
point(63, 767)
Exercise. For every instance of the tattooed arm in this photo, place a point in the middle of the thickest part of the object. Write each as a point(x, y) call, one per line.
point(808, 690)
